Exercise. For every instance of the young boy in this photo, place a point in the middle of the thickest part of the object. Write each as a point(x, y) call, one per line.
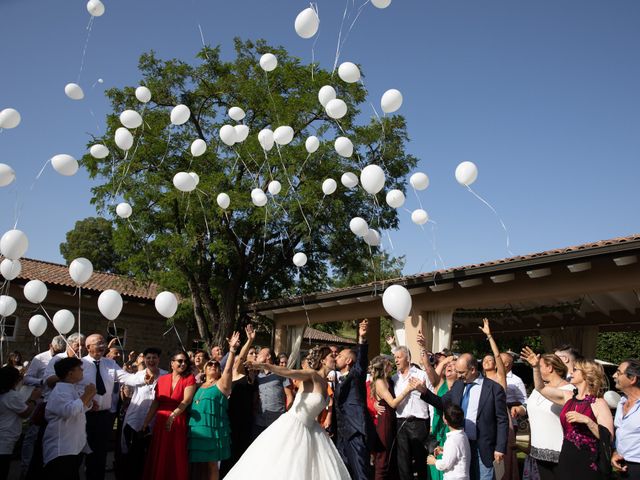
point(456, 453)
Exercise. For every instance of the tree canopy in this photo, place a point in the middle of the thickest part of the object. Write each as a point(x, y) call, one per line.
point(223, 259)
point(92, 238)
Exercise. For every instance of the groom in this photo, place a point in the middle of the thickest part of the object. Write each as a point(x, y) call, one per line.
point(350, 404)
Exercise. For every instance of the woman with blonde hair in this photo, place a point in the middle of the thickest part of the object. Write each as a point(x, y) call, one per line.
point(585, 417)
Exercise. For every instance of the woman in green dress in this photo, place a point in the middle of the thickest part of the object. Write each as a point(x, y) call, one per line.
point(209, 432)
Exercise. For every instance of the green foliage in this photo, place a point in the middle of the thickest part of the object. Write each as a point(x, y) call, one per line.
point(221, 260)
point(92, 238)
point(615, 347)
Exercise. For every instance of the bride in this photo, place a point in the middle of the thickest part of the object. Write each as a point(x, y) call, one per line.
point(295, 446)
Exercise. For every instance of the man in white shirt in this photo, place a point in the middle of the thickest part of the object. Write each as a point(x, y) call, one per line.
point(516, 391)
point(103, 373)
point(413, 418)
point(143, 396)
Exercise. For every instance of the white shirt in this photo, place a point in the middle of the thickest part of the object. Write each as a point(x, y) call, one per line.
point(66, 428)
point(516, 391)
point(546, 430)
point(628, 431)
point(51, 372)
point(456, 456)
point(472, 409)
point(11, 404)
point(37, 367)
point(110, 372)
point(412, 405)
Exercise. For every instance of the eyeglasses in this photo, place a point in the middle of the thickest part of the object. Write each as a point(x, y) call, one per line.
point(618, 372)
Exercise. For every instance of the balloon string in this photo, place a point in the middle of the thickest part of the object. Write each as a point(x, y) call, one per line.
point(264, 234)
point(79, 311)
point(346, 37)
point(54, 326)
point(344, 16)
point(204, 214)
point(418, 197)
point(314, 7)
point(126, 170)
point(173, 327)
point(275, 109)
point(233, 231)
point(86, 44)
point(304, 305)
point(383, 136)
point(284, 169)
point(504, 227)
point(115, 331)
point(253, 175)
point(96, 119)
point(203, 42)
point(167, 150)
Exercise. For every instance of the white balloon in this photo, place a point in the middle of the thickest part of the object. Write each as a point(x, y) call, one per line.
point(268, 62)
point(14, 244)
point(110, 304)
point(349, 179)
point(143, 94)
point(381, 3)
point(312, 144)
point(242, 132)
point(130, 119)
point(73, 91)
point(265, 138)
point(10, 118)
point(10, 269)
point(35, 291)
point(299, 259)
point(223, 200)
point(258, 197)
point(196, 177)
point(8, 305)
point(466, 173)
point(64, 164)
point(123, 139)
point(96, 9)
point(166, 304)
point(184, 182)
point(63, 321)
point(419, 217)
point(336, 108)
point(180, 114)
point(198, 147)
point(236, 113)
point(344, 147)
point(395, 198)
point(419, 181)
point(612, 398)
point(359, 226)
point(349, 72)
point(124, 210)
point(7, 175)
point(391, 101)
point(372, 179)
point(80, 270)
point(396, 301)
point(99, 151)
point(372, 237)
point(329, 186)
point(307, 23)
point(100, 80)
point(228, 135)
point(326, 94)
point(274, 187)
point(283, 135)
point(37, 325)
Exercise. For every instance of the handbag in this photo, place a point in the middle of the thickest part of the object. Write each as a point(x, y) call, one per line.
point(604, 452)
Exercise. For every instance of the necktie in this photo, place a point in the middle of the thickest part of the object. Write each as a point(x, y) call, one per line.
point(100, 388)
point(465, 398)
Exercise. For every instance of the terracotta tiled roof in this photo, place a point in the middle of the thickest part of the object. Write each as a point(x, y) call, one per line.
point(319, 336)
point(56, 274)
point(593, 248)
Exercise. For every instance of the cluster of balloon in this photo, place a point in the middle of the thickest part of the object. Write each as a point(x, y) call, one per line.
point(307, 23)
point(419, 181)
point(396, 301)
point(35, 291)
point(186, 181)
point(110, 304)
point(334, 107)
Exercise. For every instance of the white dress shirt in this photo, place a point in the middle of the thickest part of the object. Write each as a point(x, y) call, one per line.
point(472, 409)
point(516, 391)
point(66, 428)
point(412, 405)
point(456, 456)
point(110, 372)
point(12, 403)
point(37, 367)
point(628, 431)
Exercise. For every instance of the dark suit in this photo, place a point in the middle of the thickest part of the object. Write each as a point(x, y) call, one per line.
point(354, 425)
point(492, 422)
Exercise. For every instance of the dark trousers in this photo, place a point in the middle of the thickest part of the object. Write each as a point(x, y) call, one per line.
point(99, 431)
point(633, 471)
point(133, 460)
point(35, 471)
point(66, 467)
point(355, 454)
point(5, 463)
point(546, 470)
point(411, 447)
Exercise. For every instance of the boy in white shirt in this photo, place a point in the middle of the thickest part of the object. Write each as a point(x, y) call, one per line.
point(456, 453)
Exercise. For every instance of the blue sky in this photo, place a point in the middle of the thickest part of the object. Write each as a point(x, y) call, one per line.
point(542, 96)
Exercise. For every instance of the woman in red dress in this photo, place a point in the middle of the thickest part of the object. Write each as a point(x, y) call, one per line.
point(168, 457)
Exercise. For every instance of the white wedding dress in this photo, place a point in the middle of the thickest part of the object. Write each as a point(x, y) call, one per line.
point(293, 447)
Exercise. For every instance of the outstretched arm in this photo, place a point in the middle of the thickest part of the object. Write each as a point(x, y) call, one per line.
point(302, 375)
point(501, 371)
point(225, 382)
point(554, 394)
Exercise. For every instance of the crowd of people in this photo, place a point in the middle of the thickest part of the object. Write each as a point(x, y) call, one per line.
point(215, 415)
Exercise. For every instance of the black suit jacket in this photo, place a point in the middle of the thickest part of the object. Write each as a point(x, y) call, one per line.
point(492, 422)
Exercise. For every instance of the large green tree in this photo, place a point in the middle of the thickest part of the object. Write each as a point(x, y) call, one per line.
point(222, 260)
point(92, 238)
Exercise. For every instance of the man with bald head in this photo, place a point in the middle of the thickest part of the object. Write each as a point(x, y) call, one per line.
point(486, 423)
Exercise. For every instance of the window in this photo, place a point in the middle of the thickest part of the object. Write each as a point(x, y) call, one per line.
point(8, 328)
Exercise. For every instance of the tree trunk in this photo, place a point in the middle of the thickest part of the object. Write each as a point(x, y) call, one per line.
point(198, 311)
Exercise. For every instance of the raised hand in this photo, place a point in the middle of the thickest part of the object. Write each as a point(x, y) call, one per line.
point(530, 357)
point(362, 328)
point(486, 329)
point(251, 333)
point(149, 377)
point(391, 340)
point(234, 341)
point(421, 341)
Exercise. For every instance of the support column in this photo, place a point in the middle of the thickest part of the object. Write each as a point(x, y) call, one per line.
point(373, 337)
point(280, 339)
point(411, 327)
point(437, 328)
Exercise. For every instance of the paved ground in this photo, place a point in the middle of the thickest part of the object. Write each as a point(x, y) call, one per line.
point(14, 472)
